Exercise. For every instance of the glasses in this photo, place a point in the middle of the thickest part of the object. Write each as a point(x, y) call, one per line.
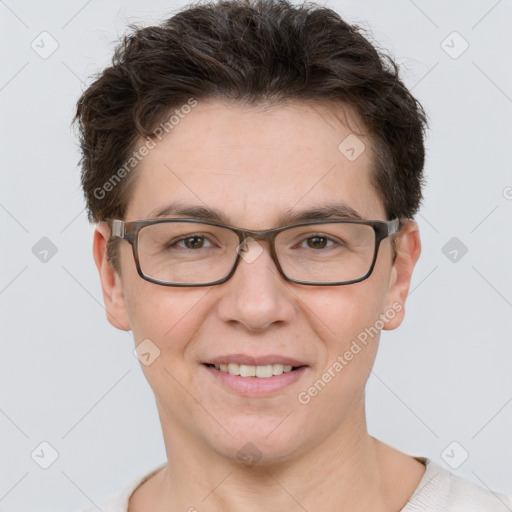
point(192, 252)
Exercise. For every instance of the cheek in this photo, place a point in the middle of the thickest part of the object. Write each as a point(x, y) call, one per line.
point(335, 391)
point(349, 323)
point(167, 316)
point(164, 322)
point(345, 311)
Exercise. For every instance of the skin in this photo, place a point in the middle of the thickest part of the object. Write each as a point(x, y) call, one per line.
point(255, 164)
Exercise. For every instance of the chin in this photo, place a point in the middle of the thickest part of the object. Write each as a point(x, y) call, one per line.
point(259, 443)
point(255, 452)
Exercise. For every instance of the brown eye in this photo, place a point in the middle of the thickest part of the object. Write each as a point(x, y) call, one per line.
point(190, 242)
point(194, 242)
point(317, 242)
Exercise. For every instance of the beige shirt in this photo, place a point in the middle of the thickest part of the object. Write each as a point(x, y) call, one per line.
point(438, 491)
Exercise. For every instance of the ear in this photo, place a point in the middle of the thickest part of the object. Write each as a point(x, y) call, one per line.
point(111, 283)
point(408, 246)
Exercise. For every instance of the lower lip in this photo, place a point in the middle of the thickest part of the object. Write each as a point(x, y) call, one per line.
point(256, 386)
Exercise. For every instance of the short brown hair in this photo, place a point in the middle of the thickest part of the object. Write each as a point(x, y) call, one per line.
point(248, 51)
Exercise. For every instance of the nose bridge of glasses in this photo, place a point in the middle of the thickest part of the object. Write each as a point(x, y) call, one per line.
point(252, 242)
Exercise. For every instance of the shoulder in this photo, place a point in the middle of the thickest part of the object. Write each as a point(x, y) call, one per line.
point(440, 489)
point(470, 496)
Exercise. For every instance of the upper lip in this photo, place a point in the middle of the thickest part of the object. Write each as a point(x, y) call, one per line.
point(255, 360)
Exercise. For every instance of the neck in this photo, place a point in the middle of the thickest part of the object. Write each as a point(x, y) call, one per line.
point(348, 471)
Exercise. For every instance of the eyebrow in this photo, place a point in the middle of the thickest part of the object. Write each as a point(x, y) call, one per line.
point(321, 212)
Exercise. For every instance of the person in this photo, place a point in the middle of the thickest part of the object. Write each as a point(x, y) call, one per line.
point(254, 168)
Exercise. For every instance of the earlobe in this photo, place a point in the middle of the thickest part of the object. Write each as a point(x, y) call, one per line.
point(111, 283)
point(408, 246)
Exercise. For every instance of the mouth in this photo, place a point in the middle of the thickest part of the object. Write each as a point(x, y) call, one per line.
point(261, 372)
point(254, 376)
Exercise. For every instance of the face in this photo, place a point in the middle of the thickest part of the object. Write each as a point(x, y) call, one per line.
point(254, 166)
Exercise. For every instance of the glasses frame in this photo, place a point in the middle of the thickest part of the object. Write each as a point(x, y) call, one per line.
point(129, 231)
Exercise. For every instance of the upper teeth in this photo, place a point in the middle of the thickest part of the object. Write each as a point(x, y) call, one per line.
point(245, 370)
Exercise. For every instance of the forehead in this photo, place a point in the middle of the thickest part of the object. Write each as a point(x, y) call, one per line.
point(258, 164)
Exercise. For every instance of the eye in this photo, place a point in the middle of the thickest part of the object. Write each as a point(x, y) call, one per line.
point(318, 242)
point(190, 242)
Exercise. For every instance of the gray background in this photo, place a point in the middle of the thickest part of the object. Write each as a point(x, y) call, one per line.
point(70, 379)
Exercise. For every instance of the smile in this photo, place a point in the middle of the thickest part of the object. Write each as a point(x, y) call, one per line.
point(262, 372)
point(254, 380)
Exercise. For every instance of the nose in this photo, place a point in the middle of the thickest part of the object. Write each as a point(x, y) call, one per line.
point(256, 296)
